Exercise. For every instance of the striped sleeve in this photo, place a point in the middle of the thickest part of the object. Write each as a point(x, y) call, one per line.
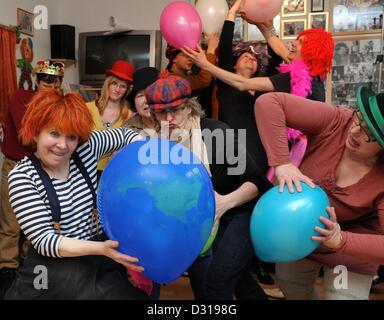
point(32, 214)
point(104, 141)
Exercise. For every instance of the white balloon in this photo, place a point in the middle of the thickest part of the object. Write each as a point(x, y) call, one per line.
point(213, 14)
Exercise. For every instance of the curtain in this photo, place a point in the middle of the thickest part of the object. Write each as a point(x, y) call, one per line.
point(7, 69)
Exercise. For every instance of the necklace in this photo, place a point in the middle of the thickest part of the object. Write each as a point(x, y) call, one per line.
point(107, 125)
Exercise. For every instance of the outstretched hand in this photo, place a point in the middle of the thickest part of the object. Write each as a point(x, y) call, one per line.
point(198, 57)
point(236, 7)
point(331, 236)
point(127, 261)
point(290, 175)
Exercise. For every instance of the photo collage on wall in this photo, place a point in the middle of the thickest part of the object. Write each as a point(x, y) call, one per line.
point(353, 65)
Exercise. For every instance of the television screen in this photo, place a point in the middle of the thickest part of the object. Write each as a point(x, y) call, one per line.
point(98, 52)
point(103, 51)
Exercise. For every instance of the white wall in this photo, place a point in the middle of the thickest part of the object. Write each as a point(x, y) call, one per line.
point(87, 15)
point(41, 39)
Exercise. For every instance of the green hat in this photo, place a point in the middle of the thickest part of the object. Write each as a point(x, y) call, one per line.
point(371, 106)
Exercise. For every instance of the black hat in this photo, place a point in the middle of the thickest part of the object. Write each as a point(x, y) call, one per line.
point(371, 106)
point(142, 78)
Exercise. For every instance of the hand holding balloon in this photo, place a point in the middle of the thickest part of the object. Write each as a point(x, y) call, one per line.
point(198, 57)
point(180, 24)
point(109, 250)
point(283, 224)
point(213, 42)
point(290, 174)
point(262, 10)
point(234, 10)
point(332, 235)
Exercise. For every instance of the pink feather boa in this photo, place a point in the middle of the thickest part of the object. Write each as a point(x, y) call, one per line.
point(300, 86)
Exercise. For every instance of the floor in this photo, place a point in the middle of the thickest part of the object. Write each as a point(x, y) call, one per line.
point(180, 290)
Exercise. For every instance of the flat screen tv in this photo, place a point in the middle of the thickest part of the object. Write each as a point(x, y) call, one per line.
point(97, 52)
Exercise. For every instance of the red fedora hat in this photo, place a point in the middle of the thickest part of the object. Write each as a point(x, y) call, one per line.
point(122, 69)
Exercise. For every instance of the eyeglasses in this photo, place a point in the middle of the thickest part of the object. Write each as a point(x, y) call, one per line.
point(359, 121)
point(172, 111)
point(117, 85)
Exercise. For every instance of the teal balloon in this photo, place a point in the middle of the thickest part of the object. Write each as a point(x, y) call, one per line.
point(156, 198)
point(282, 224)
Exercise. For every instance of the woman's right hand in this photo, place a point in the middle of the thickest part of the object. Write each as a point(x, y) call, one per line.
point(212, 42)
point(109, 250)
point(234, 10)
point(291, 175)
point(198, 57)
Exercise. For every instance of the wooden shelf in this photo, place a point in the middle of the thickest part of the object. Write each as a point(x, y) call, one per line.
point(67, 62)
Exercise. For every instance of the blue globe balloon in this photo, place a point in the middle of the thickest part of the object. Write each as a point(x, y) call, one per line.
point(156, 198)
point(282, 224)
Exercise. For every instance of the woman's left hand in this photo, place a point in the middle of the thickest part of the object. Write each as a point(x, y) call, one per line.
point(109, 250)
point(222, 206)
point(331, 236)
point(198, 57)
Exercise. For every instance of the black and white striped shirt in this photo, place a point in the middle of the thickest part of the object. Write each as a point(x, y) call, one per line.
point(30, 203)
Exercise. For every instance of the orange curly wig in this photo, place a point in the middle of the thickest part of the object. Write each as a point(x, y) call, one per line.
point(317, 51)
point(49, 108)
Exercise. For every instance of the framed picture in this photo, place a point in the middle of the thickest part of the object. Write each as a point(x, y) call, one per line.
point(294, 8)
point(291, 28)
point(253, 33)
point(318, 20)
point(25, 21)
point(317, 5)
point(354, 17)
point(238, 34)
point(353, 65)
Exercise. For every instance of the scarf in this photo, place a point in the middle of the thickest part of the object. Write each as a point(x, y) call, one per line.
point(190, 137)
point(300, 86)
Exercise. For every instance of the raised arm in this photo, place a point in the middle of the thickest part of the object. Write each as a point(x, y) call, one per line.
point(232, 79)
point(226, 38)
point(204, 78)
point(276, 111)
point(268, 32)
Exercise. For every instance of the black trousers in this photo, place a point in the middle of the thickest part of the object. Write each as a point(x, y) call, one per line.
point(86, 277)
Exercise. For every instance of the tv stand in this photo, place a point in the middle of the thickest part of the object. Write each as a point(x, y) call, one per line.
point(67, 62)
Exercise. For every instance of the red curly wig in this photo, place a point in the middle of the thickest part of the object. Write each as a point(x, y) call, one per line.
point(49, 108)
point(317, 51)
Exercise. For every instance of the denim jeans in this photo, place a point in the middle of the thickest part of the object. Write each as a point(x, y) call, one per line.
point(198, 275)
point(230, 266)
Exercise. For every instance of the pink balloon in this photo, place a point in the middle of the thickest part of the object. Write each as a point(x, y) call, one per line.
point(180, 24)
point(262, 10)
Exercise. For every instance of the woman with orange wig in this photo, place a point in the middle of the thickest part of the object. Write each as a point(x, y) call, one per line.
point(310, 60)
point(53, 196)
